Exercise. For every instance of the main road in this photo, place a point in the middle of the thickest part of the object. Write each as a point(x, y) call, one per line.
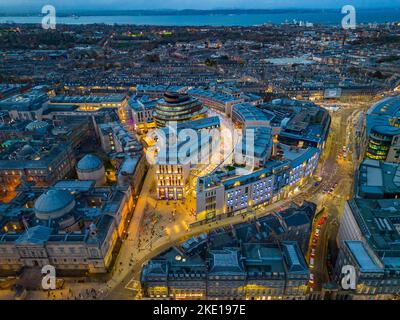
point(337, 173)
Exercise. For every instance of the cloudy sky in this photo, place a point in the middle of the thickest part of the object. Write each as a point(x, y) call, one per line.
point(193, 4)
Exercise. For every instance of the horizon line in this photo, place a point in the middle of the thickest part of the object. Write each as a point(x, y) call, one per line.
point(29, 10)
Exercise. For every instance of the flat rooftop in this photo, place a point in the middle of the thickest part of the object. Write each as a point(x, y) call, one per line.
point(378, 179)
point(248, 112)
point(379, 221)
point(113, 98)
point(215, 96)
point(363, 258)
point(207, 122)
point(21, 154)
point(31, 100)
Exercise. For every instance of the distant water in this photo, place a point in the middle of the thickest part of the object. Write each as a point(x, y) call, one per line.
point(320, 17)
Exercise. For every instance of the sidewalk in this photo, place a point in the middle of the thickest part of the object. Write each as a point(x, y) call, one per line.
point(70, 291)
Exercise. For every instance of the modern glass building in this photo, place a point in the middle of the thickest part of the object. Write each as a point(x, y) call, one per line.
point(383, 130)
point(381, 139)
point(178, 107)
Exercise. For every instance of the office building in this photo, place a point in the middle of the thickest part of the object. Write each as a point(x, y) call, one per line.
point(368, 239)
point(246, 115)
point(383, 130)
point(132, 172)
point(26, 106)
point(378, 180)
point(91, 102)
point(116, 138)
point(225, 193)
point(219, 101)
point(177, 107)
point(217, 266)
point(140, 112)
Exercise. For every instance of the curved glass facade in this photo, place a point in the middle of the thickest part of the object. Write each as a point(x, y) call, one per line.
point(178, 107)
point(378, 145)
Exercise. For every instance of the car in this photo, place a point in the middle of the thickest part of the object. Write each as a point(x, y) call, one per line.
point(311, 279)
point(312, 251)
point(317, 232)
point(311, 263)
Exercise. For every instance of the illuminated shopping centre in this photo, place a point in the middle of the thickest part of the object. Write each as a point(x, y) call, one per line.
point(288, 137)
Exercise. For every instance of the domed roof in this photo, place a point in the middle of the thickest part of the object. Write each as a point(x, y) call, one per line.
point(36, 125)
point(26, 150)
point(54, 204)
point(89, 163)
point(175, 97)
